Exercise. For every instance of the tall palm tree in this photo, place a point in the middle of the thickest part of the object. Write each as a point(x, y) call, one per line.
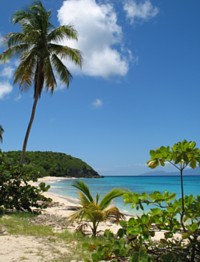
point(1, 133)
point(94, 210)
point(40, 54)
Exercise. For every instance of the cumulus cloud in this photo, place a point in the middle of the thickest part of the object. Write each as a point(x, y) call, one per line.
point(5, 89)
point(7, 72)
point(139, 11)
point(99, 37)
point(98, 103)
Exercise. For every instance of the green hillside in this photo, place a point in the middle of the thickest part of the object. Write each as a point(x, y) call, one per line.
point(55, 164)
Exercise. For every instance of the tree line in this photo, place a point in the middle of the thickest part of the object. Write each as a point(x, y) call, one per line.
point(54, 164)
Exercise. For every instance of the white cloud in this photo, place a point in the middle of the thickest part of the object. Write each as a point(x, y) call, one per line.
point(139, 11)
point(7, 72)
point(99, 35)
point(5, 89)
point(98, 103)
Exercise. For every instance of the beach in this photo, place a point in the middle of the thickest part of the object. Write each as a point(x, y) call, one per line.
point(63, 206)
point(33, 249)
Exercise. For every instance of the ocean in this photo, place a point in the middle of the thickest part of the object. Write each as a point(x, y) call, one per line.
point(137, 184)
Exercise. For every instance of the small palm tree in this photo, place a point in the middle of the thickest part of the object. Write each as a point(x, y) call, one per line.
point(1, 133)
point(94, 210)
point(40, 54)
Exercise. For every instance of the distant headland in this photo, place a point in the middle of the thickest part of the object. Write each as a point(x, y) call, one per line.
point(55, 164)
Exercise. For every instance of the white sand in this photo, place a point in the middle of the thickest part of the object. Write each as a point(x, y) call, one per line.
point(34, 249)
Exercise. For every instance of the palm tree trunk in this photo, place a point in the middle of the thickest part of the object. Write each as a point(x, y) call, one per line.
point(1, 133)
point(29, 129)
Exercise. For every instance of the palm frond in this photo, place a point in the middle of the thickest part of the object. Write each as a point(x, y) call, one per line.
point(61, 69)
point(84, 201)
point(49, 76)
point(105, 202)
point(34, 20)
point(24, 72)
point(42, 16)
point(97, 198)
point(77, 216)
point(80, 185)
point(74, 55)
point(114, 214)
point(14, 38)
point(13, 51)
point(61, 32)
point(21, 17)
point(66, 52)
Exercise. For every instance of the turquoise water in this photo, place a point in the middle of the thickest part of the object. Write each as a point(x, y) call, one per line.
point(138, 184)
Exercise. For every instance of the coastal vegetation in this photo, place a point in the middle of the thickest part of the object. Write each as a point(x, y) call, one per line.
point(54, 164)
point(15, 191)
point(177, 219)
point(136, 239)
point(95, 210)
point(39, 51)
point(181, 155)
point(40, 62)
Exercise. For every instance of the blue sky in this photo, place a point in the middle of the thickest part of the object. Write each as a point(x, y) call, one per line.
point(139, 87)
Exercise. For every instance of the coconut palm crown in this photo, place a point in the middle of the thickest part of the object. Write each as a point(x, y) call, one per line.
point(40, 54)
point(93, 210)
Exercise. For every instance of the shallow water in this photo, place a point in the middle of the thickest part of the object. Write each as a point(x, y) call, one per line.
point(138, 184)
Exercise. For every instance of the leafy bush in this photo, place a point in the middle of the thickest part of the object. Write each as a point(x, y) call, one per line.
point(180, 155)
point(134, 241)
point(15, 191)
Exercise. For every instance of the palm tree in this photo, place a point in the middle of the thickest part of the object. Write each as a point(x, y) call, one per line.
point(40, 54)
point(94, 210)
point(1, 133)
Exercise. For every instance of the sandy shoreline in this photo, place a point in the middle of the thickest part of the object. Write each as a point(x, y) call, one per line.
point(63, 205)
point(47, 179)
point(34, 249)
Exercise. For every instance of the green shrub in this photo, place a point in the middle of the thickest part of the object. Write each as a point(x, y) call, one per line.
point(134, 242)
point(15, 191)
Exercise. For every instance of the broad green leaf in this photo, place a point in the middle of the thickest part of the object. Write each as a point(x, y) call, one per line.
point(193, 163)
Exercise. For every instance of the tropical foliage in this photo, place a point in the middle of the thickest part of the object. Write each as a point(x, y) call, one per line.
point(37, 46)
point(15, 191)
point(54, 164)
point(95, 210)
point(135, 239)
point(180, 155)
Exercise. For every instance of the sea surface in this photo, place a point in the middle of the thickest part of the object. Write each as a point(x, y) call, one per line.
point(138, 184)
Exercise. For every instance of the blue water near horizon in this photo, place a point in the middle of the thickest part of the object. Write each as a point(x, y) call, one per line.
point(137, 184)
